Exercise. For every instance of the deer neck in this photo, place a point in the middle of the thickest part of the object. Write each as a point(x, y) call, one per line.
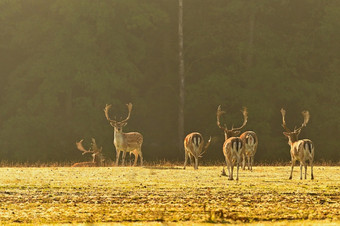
point(293, 138)
point(225, 135)
point(118, 136)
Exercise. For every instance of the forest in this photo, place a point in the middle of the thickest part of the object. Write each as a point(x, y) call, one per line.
point(62, 61)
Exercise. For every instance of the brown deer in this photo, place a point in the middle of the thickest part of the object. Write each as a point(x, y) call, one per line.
point(250, 143)
point(193, 147)
point(233, 148)
point(301, 150)
point(97, 156)
point(125, 142)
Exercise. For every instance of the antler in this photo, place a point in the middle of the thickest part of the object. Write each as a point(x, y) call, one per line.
point(283, 113)
point(129, 105)
point(306, 118)
point(218, 114)
point(245, 118)
point(81, 148)
point(106, 110)
point(108, 106)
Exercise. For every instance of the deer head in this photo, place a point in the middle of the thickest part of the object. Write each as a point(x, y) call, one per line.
point(233, 132)
point(294, 135)
point(117, 125)
point(94, 150)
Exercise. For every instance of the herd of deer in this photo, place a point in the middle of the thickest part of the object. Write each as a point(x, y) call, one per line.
point(234, 148)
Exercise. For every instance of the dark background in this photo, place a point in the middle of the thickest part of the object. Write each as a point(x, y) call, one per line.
point(61, 61)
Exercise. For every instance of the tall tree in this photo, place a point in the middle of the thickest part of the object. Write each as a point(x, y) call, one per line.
point(181, 76)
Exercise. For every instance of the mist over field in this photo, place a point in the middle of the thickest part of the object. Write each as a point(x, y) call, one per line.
point(62, 61)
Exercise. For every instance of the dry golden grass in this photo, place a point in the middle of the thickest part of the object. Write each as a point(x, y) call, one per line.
point(168, 194)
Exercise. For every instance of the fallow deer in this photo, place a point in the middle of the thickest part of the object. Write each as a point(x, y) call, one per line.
point(233, 148)
point(250, 143)
point(125, 142)
point(194, 147)
point(97, 156)
point(301, 150)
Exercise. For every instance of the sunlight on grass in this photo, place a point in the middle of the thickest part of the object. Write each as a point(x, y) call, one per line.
point(168, 194)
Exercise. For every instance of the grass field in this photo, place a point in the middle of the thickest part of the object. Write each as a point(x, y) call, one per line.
point(168, 194)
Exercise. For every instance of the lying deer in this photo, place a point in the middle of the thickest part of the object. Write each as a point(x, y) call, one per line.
point(125, 142)
point(233, 148)
point(97, 156)
point(301, 150)
point(194, 147)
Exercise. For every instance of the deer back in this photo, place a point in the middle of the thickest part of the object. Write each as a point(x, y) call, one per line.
point(249, 138)
point(84, 164)
point(233, 147)
point(302, 150)
point(194, 143)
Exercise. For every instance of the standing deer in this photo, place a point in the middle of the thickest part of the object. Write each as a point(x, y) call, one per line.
point(97, 156)
point(233, 148)
point(193, 147)
point(125, 142)
point(301, 150)
point(250, 143)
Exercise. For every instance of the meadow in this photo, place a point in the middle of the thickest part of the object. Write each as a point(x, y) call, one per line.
point(168, 194)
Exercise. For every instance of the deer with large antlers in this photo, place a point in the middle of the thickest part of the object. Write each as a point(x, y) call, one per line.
point(301, 150)
point(233, 148)
point(125, 142)
point(194, 147)
point(249, 138)
point(97, 156)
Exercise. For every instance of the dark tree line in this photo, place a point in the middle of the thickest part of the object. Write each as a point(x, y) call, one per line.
point(63, 60)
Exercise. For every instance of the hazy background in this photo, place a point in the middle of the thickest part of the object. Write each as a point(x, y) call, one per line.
point(61, 61)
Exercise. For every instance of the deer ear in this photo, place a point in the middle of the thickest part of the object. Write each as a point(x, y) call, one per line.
point(286, 134)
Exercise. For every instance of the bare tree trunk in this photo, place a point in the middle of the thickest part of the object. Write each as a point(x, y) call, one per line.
point(181, 77)
point(250, 55)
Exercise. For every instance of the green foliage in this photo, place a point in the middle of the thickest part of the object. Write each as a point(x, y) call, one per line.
point(62, 61)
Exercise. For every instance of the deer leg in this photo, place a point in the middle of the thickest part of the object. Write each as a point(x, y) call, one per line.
point(196, 163)
point(123, 161)
point(252, 163)
point(141, 157)
point(130, 158)
point(228, 166)
point(117, 156)
point(249, 163)
point(301, 164)
point(135, 153)
point(136, 159)
point(231, 171)
point(244, 162)
point(238, 166)
point(291, 171)
point(190, 158)
point(305, 171)
point(311, 170)
point(185, 158)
